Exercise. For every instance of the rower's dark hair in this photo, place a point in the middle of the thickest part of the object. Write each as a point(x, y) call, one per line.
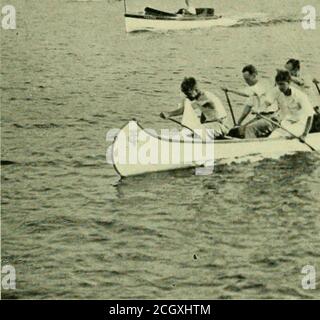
point(188, 84)
point(295, 63)
point(250, 68)
point(283, 76)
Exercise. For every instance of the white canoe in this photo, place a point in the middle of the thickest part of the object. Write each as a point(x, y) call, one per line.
point(140, 22)
point(148, 152)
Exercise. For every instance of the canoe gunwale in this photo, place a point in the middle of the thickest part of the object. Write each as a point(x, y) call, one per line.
point(221, 141)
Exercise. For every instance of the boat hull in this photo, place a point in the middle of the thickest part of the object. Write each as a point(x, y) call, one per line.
point(174, 153)
point(144, 23)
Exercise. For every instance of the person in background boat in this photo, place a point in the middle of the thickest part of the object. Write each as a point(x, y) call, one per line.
point(296, 111)
point(211, 111)
point(255, 104)
point(189, 10)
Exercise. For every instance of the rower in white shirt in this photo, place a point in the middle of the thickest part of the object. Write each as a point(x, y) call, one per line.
point(296, 111)
point(293, 66)
point(256, 92)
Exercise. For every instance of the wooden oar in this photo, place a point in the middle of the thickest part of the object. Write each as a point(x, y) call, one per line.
point(182, 125)
point(293, 135)
point(316, 82)
point(178, 122)
point(241, 94)
point(230, 107)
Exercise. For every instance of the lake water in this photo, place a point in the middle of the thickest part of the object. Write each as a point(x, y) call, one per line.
point(73, 230)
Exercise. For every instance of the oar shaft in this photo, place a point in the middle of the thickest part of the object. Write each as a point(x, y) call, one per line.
point(230, 107)
point(280, 126)
point(182, 125)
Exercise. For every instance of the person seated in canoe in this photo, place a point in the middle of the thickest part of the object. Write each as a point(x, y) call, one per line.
point(188, 10)
point(211, 111)
point(293, 66)
point(255, 92)
point(296, 111)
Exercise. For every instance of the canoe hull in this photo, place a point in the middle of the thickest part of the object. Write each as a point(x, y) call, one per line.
point(142, 23)
point(156, 153)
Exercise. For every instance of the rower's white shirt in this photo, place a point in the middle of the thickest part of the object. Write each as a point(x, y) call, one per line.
point(293, 108)
point(261, 89)
point(217, 113)
point(308, 88)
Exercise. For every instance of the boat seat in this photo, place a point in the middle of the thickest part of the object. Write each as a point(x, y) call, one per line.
point(236, 133)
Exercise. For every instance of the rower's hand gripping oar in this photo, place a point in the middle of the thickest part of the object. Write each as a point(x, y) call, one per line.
point(293, 135)
point(273, 122)
point(281, 127)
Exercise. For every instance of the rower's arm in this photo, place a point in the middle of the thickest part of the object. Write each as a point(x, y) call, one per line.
point(246, 111)
point(298, 81)
point(177, 112)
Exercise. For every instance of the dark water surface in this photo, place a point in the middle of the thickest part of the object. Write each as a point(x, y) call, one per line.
point(72, 230)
